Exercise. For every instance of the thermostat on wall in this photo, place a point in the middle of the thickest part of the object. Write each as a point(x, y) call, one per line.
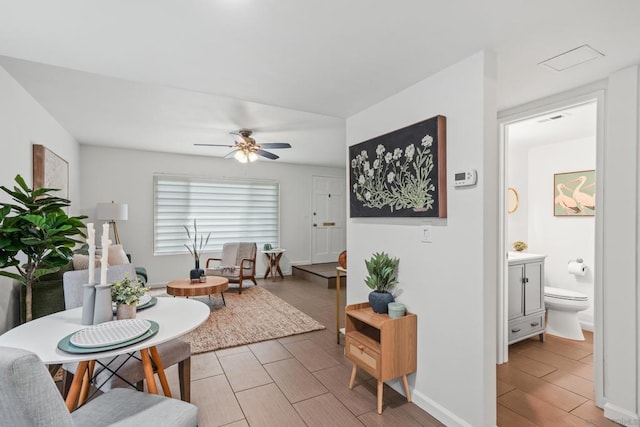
point(466, 178)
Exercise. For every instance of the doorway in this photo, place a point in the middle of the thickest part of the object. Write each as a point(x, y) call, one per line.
point(328, 219)
point(520, 216)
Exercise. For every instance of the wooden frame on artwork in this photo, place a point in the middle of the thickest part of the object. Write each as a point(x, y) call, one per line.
point(574, 193)
point(402, 173)
point(50, 171)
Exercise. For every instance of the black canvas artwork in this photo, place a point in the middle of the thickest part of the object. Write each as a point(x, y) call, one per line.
point(401, 173)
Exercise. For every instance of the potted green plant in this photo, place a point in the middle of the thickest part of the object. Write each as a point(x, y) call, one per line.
point(36, 235)
point(125, 294)
point(520, 246)
point(195, 247)
point(381, 279)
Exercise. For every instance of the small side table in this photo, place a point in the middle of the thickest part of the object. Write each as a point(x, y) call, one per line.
point(273, 262)
point(338, 271)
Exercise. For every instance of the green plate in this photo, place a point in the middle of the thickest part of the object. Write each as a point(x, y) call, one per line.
point(153, 301)
point(66, 346)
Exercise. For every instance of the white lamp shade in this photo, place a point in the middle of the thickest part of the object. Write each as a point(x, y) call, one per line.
point(112, 211)
point(240, 156)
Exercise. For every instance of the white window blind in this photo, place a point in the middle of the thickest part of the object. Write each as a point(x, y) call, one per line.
point(233, 211)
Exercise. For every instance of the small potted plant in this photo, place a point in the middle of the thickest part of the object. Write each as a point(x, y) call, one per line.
point(125, 294)
point(520, 246)
point(381, 279)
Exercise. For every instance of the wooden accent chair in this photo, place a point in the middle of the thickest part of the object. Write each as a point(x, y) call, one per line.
point(237, 263)
point(29, 397)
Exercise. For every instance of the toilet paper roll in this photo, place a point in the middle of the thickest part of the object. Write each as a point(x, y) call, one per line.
point(577, 268)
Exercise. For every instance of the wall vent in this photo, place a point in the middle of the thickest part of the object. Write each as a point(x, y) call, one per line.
point(571, 58)
point(555, 116)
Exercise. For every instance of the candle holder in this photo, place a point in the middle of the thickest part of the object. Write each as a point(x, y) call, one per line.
point(103, 309)
point(88, 303)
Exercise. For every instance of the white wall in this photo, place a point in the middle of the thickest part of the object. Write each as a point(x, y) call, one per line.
point(620, 247)
point(24, 122)
point(562, 238)
point(126, 176)
point(517, 178)
point(450, 283)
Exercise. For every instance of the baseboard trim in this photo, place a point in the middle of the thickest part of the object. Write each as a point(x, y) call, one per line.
point(621, 415)
point(587, 326)
point(434, 409)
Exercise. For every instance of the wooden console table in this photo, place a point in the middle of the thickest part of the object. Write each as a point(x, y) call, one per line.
point(385, 348)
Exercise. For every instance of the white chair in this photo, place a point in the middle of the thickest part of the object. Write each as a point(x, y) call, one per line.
point(131, 372)
point(29, 397)
point(237, 263)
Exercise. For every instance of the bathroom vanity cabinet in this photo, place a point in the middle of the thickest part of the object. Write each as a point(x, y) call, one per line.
point(526, 297)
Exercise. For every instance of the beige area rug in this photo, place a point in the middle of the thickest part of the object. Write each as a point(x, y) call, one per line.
point(256, 315)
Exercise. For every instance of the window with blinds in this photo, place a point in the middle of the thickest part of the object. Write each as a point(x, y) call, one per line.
point(233, 211)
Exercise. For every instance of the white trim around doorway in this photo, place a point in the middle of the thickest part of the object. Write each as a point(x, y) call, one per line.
point(589, 93)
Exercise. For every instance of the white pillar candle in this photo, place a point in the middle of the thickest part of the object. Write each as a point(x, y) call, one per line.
point(91, 241)
point(105, 253)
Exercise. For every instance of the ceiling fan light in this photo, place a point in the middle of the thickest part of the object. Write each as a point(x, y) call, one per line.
point(241, 156)
point(252, 156)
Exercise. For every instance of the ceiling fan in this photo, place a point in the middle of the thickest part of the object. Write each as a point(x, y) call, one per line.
point(246, 149)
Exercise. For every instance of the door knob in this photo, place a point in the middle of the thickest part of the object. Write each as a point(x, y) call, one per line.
point(315, 225)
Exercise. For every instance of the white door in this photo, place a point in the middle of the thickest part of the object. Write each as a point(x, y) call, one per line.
point(328, 219)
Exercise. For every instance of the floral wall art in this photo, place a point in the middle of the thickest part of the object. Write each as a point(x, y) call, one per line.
point(401, 173)
point(574, 193)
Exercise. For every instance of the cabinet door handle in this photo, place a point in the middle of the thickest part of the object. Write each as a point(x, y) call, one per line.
point(534, 323)
point(361, 347)
point(514, 330)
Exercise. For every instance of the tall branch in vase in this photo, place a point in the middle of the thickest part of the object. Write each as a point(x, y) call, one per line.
point(194, 245)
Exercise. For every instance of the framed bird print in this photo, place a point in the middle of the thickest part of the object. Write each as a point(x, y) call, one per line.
point(574, 193)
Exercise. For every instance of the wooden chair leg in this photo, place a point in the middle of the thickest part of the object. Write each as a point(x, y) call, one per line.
point(184, 375)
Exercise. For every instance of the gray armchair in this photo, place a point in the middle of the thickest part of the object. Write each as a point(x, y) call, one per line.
point(171, 352)
point(29, 397)
point(237, 263)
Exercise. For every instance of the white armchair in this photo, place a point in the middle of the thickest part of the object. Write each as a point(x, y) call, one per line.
point(29, 397)
point(237, 263)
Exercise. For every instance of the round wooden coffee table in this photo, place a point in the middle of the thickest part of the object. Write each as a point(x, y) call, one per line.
point(184, 287)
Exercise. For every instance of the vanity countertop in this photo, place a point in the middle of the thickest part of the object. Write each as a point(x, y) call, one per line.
point(522, 257)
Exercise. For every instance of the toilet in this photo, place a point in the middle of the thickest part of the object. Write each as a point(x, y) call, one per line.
point(562, 307)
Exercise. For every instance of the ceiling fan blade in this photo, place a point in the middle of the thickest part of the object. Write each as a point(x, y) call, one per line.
point(230, 154)
point(275, 145)
point(266, 154)
point(214, 145)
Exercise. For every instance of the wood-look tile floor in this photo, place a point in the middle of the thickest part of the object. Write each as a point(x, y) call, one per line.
point(301, 380)
point(548, 383)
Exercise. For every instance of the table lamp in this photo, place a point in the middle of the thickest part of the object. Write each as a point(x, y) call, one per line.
point(113, 212)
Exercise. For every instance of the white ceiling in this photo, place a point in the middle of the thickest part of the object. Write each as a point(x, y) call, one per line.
point(160, 74)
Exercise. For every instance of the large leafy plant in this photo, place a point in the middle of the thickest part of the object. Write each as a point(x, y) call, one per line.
point(36, 235)
point(382, 272)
